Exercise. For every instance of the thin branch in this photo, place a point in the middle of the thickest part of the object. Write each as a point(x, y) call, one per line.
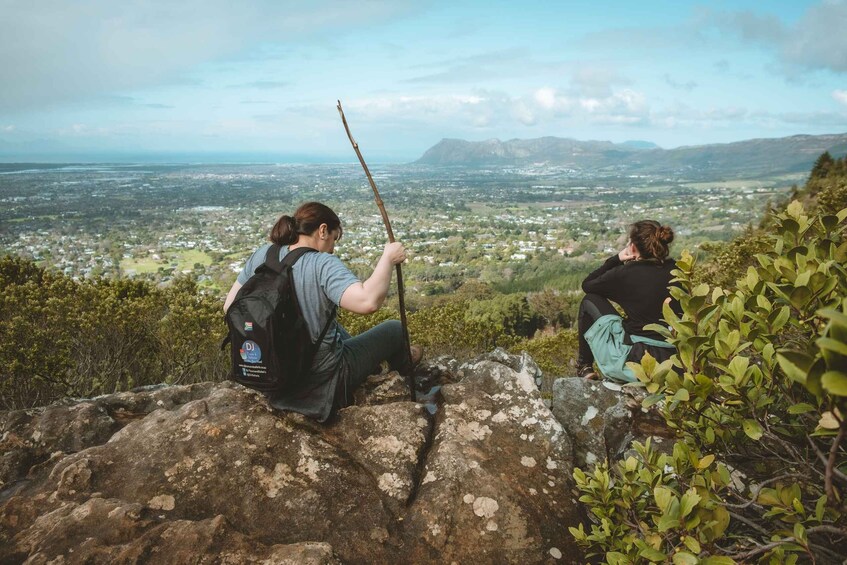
point(825, 460)
point(758, 488)
point(830, 464)
point(750, 523)
point(827, 529)
point(743, 557)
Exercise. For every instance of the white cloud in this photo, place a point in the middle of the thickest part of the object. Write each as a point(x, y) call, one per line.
point(546, 98)
point(816, 41)
point(840, 96)
point(502, 112)
point(9, 128)
point(54, 51)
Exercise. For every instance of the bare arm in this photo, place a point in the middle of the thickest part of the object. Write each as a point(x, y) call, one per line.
point(236, 286)
point(367, 297)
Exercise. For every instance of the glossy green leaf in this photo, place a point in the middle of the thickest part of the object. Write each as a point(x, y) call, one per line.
point(651, 400)
point(692, 544)
point(681, 395)
point(706, 461)
point(790, 225)
point(780, 318)
point(737, 367)
point(653, 555)
point(835, 382)
point(820, 508)
point(800, 297)
point(688, 502)
point(800, 408)
point(829, 222)
point(832, 345)
point(663, 497)
point(752, 428)
point(795, 364)
point(717, 560)
point(684, 558)
point(834, 315)
point(667, 523)
point(700, 290)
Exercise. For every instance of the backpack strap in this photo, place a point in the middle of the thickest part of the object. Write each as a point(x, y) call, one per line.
point(273, 263)
point(294, 255)
point(326, 327)
point(288, 261)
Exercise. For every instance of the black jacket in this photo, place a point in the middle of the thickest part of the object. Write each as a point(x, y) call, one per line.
point(639, 287)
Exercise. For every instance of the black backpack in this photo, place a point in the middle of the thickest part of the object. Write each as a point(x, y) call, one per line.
point(271, 344)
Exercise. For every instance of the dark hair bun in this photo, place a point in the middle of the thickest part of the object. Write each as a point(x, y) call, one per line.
point(665, 234)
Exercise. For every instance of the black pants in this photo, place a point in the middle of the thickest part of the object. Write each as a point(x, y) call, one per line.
point(592, 307)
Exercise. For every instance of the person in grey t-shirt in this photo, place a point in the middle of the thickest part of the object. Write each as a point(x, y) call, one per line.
point(322, 282)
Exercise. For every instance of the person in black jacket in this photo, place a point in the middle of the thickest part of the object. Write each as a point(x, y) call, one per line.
point(637, 278)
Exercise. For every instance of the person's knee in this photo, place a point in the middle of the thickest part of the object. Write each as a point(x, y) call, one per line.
point(393, 326)
point(589, 304)
point(593, 299)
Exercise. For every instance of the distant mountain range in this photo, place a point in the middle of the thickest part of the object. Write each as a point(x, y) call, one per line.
point(751, 158)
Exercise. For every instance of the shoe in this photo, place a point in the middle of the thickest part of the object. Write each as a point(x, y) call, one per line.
point(587, 372)
point(415, 356)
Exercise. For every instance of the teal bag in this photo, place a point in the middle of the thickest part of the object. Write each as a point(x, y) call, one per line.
point(605, 337)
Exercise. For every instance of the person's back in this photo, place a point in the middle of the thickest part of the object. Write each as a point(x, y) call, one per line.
point(323, 283)
point(637, 278)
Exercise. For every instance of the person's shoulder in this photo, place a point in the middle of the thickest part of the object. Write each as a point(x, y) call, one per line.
point(325, 262)
point(325, 258)
point(259, 254)
point(263, 249)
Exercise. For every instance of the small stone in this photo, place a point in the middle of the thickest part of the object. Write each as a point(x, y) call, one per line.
point(527, 461)
point(555, 553)
point(469, 498)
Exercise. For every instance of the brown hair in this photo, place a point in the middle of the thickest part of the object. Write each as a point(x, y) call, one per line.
point(306, 220)
point(651, 239)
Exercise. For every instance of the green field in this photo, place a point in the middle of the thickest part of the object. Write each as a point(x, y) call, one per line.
point(179, 260)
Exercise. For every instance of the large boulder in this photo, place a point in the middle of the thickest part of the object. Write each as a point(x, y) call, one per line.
point(497, 483)
point(604, 418)
point(210, 473)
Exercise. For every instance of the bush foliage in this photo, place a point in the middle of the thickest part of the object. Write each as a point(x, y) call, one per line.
point(757, 394)
point(60, 337)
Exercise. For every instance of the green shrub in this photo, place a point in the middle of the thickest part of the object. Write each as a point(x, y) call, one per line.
point(60, 337)
point(759, 385)
point(447, 328)
point(655, 507)
point(553, 353)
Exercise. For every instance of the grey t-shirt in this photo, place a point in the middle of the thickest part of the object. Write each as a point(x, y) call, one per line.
point(320, 280)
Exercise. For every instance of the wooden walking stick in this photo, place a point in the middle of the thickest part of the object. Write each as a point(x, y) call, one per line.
point(400, 294)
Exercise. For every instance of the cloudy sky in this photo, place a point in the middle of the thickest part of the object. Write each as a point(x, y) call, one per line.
point(262, 77)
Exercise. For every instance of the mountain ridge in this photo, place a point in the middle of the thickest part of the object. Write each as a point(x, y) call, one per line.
point(750, 157)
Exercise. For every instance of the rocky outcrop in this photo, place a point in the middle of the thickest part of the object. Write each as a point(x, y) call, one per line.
point(477, 471)
point(603, 419)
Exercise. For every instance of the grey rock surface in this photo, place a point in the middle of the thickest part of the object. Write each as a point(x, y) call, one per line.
point(211, 474)
point(603, 419)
